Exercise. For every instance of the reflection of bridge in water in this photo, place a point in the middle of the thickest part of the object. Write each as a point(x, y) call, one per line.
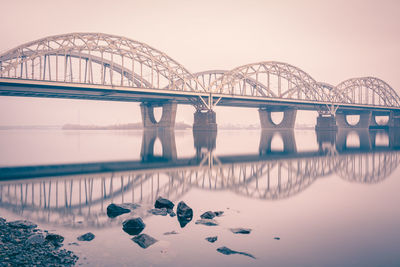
point(71, 198)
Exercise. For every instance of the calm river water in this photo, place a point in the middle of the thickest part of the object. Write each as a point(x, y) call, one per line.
point(332, 200)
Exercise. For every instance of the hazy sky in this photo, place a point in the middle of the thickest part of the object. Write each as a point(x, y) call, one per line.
point(331, 40)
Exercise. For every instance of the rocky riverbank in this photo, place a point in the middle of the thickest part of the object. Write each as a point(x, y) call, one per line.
point(23, 244)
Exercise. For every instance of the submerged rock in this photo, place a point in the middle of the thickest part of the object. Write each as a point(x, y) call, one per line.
point(208, 215)
point(22, 224)
point(218, 213)
point(133, 226)
point(171, 212)
point(163, 203)
point(156, 211)
point(114, 210)
point(228, 251)
point(240, 230)
point(277, 238)
point(86, 237)
point(212, 239)
point(185, 213)
point(144, 240)
point(208, 222)
point(171, 233)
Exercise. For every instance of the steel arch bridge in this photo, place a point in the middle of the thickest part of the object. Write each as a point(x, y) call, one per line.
point(110, 60)
point(96, 58)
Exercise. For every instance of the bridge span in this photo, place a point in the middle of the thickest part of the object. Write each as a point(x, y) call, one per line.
point(107, 67)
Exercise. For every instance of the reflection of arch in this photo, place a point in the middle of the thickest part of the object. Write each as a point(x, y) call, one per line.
point(289, 142)
point(363, 136)
point(167, 138)
point(368, 168)
point(70, 57)
point(368, 91)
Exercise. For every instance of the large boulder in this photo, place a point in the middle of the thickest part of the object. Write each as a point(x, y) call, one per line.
point(144, 241)
point(184, 213)
point(86, 237)
point(114, 210)
point(163, 203)
point(133, 226)
point(55, 239)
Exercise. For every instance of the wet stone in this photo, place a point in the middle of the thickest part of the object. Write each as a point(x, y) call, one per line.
point(218, 213)
point(208, 215)
point(207, 222)
point(212, 239)
point(240, 230)
point(86, 237)
point(171, 233)
point(133, 226)
point(184, 213)
point(228, 251)
point(171, 212)
point(277, 238)
point(22, 224)
point(163, 203)
point(55, 239)
point(144, 240)
point(156, 211)
point(114, 210)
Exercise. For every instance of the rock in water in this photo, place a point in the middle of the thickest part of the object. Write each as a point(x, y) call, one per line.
point(86, 237)
point(240, 230)
point(218, 213)
point(114, 210)
point(171, 233)
point(212, 239)
point(171, 213)
point(144, 240)
point(162, 211)
point(277, 238)
point(185, 213)
point(22, 224)
point(228, 251)
point(208, 215)
point(208, 222)
point(55, 239)
point(163, 203)
point(133, 226)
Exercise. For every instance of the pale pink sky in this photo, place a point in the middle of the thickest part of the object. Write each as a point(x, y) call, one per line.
point(331, 40)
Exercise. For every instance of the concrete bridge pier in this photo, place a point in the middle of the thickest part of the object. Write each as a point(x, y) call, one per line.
point(204, 120)
point(326, 123)
point(167, 120)
point(288, 120)
point(266, 141)
point(363, 122)
point(167, 139)
point(394, 120)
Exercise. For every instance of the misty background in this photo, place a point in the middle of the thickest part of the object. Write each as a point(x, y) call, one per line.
point(330, 40)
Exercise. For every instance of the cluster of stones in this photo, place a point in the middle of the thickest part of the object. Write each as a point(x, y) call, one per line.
point(184, 214)
point(23, 244)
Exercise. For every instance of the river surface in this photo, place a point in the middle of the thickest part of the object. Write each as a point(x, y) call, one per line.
point(332, 200)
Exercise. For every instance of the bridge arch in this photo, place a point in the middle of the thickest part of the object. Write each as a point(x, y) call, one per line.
point(270, 79)
point(96, 58)
point(368, 91)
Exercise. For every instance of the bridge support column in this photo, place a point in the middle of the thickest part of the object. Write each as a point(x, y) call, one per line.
point(394, 120)
point(326, 123)
point(204, 120)
point(167, 120)
point(288, 120)
point(266, 139)
point(167, 139)
point(363, 123)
